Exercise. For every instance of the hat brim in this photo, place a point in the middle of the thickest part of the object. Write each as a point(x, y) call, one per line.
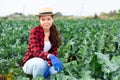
point(45, 15)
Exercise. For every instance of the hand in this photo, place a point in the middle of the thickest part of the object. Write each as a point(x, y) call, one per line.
point(56, 63)
point(47, 72)
point(48, 56)
point(49, 64)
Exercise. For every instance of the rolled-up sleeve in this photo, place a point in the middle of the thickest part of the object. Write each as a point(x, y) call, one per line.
point(34, 44)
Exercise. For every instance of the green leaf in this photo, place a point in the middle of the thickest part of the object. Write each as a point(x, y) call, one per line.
point(22, 78)
point(116, 59)
point(107, 65)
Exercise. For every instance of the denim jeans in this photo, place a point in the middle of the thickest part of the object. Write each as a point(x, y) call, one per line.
point(37, 66)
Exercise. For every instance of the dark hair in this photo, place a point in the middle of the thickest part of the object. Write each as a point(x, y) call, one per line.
point(55, 36)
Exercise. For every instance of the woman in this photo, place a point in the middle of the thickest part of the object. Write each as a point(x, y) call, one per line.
point(41, 54)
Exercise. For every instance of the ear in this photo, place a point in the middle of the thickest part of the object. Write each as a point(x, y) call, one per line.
point(53, 20)
point(39, 18)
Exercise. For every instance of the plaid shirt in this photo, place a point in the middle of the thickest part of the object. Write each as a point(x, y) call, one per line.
point(36, 45)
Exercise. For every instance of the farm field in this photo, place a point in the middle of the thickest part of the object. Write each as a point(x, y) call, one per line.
point(90, 49)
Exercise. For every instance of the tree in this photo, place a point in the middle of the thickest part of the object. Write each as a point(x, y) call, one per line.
point(58, 14)
point(96, 16)
point(112, 13)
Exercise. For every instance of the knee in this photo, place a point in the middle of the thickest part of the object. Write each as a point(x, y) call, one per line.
point(40, 63)
point(39, 67)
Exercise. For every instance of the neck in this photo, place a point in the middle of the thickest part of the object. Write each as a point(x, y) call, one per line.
point(47, 34)
point(46, 30)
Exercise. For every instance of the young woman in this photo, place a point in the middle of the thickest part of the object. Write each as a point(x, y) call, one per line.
point(41, 55)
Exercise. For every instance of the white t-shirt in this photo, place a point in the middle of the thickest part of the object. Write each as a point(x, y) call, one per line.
point(47, 46)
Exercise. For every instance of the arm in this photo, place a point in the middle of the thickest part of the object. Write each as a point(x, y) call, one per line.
point(53, 51)
point(35, 43)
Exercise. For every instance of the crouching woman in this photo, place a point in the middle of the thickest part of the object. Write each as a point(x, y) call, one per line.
point(41, 54)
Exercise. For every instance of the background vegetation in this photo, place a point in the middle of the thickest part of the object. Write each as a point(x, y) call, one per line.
point(90, 49)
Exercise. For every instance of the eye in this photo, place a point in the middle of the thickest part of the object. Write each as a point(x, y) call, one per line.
point(49, 18)
point(43, 19)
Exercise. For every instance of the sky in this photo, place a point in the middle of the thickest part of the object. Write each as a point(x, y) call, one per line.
point(66, 7)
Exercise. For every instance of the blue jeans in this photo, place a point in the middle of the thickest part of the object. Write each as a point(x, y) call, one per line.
point(37, 66)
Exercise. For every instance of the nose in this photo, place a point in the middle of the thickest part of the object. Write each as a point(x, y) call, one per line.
point(46, 21)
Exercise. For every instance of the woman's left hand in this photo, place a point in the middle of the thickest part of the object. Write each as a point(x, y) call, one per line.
point(56, 63)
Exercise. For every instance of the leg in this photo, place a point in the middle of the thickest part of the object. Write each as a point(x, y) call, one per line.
point(35, 66)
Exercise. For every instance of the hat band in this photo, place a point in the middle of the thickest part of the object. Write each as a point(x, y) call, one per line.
point(46, 13)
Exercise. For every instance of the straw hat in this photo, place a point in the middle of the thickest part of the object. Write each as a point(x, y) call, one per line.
point(45, 11)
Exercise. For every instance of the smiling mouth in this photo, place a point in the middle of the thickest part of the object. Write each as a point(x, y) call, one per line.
point(46, 26)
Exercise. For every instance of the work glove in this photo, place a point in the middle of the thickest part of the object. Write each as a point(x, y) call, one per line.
point(47, 72)
point(56, 63)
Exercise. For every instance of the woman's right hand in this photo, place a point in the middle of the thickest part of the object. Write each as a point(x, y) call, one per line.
point(48, 56)
point(47, 72)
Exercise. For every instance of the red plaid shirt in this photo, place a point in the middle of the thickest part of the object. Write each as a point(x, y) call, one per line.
point(36, 45)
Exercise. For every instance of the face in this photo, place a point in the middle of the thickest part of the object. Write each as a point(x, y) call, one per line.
point(46, 22)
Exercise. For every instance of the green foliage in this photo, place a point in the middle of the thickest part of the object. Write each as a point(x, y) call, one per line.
point(90, 49)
